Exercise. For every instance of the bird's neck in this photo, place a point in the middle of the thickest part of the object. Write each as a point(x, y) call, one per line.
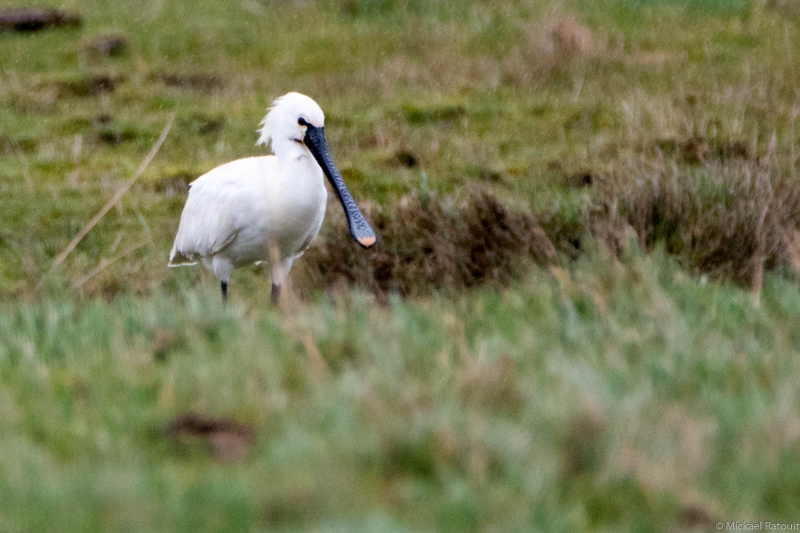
point(299, 172)
point(287, 149)
point(296, 161)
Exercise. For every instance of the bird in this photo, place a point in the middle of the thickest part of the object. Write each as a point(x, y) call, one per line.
point(267, 208)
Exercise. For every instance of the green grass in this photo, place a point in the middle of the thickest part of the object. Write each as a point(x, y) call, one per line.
point(610, 391)
point(625, 398)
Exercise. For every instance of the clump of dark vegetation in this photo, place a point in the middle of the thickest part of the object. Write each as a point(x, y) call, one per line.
point(698, 149)
point(788, 7)
point(199, 81)
point(93, 85)
point(11, 145)
point(732, 220)
point(428, 114)
point(115, 136)
point(424, 454)
point(481, 173)
point(291, 507)
point(175, 183)
point(583, 444)
point(428, 245)
point(579, 180)
point(204, 124)
point(29, 19)
point(108, 131)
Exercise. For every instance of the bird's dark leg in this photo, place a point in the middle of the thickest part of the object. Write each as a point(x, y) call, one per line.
point(224, 285)
point(276, 293)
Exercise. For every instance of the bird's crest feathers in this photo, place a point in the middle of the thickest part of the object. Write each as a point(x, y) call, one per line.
point(281, 120)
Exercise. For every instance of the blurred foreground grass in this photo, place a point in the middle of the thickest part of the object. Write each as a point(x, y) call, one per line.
point(611, 390)
point(630, 398)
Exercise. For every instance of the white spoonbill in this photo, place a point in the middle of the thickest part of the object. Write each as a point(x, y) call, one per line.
point(266, 208)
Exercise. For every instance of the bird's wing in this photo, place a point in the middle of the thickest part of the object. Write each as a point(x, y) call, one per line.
point(211, 217)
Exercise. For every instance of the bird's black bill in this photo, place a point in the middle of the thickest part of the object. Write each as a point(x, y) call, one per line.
point(359, 227)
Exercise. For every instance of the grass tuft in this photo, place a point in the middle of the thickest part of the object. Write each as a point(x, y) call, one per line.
point(429, 245)
point(732, 219)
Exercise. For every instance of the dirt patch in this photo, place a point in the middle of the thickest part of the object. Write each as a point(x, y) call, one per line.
point(30, 19)
point(696, 516)
point(228, 440)
point(108, 45)
point(427, 245)
point(404, 158)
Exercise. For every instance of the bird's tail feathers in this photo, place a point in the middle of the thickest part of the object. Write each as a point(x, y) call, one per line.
point(177, 259)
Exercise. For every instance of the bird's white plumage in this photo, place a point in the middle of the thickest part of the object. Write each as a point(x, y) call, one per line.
point(257, 209)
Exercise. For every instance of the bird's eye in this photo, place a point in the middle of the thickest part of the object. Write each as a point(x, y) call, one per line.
point(302, 121)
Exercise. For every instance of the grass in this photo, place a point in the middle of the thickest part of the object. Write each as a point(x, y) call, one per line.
point(628, 397)
point(581, 315)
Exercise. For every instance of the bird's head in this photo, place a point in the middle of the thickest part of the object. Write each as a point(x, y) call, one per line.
point(296, 118)
point(289, 118)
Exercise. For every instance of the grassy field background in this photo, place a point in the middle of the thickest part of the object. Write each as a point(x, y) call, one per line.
point(582, 314)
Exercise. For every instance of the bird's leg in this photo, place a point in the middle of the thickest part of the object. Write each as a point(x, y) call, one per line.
point(224, 285)
point(276, 293)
